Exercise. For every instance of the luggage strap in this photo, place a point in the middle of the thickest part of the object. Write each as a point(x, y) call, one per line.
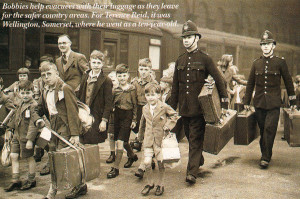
point(6, 119)
point(80, 152)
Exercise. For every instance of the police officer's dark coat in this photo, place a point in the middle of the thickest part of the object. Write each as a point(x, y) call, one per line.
point(265, 76)
point(191, 70)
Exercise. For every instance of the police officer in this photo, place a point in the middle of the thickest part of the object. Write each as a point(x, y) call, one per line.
point(191, 70)
point(265, 76)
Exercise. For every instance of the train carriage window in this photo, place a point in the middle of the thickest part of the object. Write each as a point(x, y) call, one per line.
point(154, 53)
point(50, 44)
point(4, 50)
point(124, 49)
point(74, 36)
point(95, 40)
point(32, 46)
point(110, 52)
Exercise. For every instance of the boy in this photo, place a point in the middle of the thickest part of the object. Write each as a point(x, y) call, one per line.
point(125, 106)
point(58, 102)
point(96, 92)
point(23, 138)
point(157, 118)
point(265, 77)
point(13, 90)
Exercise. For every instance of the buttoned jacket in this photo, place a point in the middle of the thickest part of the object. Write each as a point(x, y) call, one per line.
point(191, 70)
point(265, 77)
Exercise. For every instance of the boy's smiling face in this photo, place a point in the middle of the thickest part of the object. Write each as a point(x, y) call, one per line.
point(96, 65)
point(144, 72)
point(122, 78)
point(23, 77)
point(26, 95)
point(152, 97)
point(50, 77)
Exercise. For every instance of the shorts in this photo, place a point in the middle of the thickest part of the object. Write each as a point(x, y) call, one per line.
point(19, 147)
point(122, 123)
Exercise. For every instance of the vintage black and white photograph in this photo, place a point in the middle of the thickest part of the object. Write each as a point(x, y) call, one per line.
point(125, 99)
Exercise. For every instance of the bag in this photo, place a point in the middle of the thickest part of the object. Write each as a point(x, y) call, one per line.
point(170, 150)
point(292, 127)
point(85, 116)
point(5, 156)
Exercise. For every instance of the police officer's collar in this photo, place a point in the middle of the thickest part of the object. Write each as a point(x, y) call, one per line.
point(269, 57)
point(194, 51)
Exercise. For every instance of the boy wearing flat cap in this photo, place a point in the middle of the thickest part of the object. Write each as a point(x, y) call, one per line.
point(265, 77)
point(191, 70)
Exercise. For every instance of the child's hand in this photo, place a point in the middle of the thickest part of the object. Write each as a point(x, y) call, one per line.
point(166, 128)
point(29, 144)
point(102, 126)
point(133, 125)
point(40, 123)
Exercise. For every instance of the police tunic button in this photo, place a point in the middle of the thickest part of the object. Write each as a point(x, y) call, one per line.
point(267, 62)
point(187, 74)
point(188, 68)
point(187, 80)
point(266, 77)
point(189, 63)
point(265, 92)
point(187, 86)
point(265, 87)
point(189, 57)
point(187, 92)
point(265, 82)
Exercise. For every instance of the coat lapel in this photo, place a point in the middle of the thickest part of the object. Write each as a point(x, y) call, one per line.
point(70, 61)
point(158, 109)
point(97, 86)
point(58, 88)
point(59, 66)
point(82, 93)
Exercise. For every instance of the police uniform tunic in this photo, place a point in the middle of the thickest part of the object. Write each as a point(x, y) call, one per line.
point(265, 77)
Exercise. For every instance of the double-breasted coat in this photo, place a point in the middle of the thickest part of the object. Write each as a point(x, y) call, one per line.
point(101, 102)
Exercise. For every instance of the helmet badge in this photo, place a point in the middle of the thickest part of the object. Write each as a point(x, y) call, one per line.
point(265, 36)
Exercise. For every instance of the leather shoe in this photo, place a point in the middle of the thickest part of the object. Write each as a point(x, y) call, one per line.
point(131, 161)
point(111, 158)
point(147, 189)
point(153, 165)
point(137, 145)
point(264, 164)
point(13, 186)
point(28, 185)
point(113, 173)
point(159, 190)
point(190, 179)
point(77, 191)
point(45, 170)
point(139, 173)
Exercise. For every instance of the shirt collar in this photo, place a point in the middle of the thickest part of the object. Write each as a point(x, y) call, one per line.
point(67, 54)
point(92, 75)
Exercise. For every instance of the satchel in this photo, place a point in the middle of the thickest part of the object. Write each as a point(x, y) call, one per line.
point(170, 150)
point(5, 156)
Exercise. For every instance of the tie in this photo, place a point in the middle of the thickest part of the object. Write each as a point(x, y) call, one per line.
point(64, 59)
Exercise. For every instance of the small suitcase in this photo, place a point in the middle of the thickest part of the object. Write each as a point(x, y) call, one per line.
point(65, 166)
point(292, 127)
point(218, 135)
point(210, 103)
point(246, 129)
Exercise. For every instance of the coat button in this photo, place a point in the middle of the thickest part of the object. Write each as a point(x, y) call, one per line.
point(188, 69)
point(265, 92)
point(187, 80)
point(189, 63)
point(266, 77)
point(265, 82)
point(189, 57)
point(265, 87)
point(187, 92)
point(187, 86)
point(187, 74)
point(267, 62)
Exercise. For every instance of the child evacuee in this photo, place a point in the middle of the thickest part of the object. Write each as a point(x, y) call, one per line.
point(110, 129)
point(96, 91)
point(13, 90)
point(144, 78)
point(58, 102)
point(125, 105)
point(158, 118)
point(24, 137)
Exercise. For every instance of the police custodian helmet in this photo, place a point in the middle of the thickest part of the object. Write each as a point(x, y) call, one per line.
point(267, 37)
point(190, 28)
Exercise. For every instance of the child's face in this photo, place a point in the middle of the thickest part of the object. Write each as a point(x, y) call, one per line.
point(26, 95)
point(122, 78)
point(27, 63)
point(163, 85)
point(23, 77)
point(96, 65)
point(267, 48)
point(50, 77)
point(144, 71)
point(152, 97)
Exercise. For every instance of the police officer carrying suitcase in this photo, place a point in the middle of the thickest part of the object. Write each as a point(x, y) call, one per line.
point(191, 70)
point(265, 76)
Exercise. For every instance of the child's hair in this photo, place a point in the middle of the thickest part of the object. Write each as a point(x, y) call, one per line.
point(97, 54)
point(28, 58)
point(46, 66)
point(23, 71)
point(145, 62)
point(225, 60)
point(47, 57)
point(26, 85)
point(122, 68)
point(112, 74)
point(152, 88)
point(1, 81)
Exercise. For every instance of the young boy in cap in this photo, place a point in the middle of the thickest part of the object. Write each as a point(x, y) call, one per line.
point(58, 102)
point(125, 110)
point(24, 137)
point(157, 119)
point(191, 70)
point(265, 77)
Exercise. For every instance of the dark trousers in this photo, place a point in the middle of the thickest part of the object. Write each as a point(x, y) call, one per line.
point(194, 128)
point(267, 121)
point(138, 119)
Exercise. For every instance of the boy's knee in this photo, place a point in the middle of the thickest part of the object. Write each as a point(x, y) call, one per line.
point(147, 162)
point(120, 144)
point(14, 156)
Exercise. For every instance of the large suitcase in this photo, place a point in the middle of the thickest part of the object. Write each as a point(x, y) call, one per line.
point(66, 168)
point(3, 112)
point(210, 103)
point(218, 135)
point(246, 129)
point(292, 127)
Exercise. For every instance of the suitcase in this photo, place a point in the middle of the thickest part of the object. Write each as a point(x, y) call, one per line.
point(210, 103)
point(65, 166)
point(292, 127)
point(218, 135)
point(3, 112)
point(246, 129)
